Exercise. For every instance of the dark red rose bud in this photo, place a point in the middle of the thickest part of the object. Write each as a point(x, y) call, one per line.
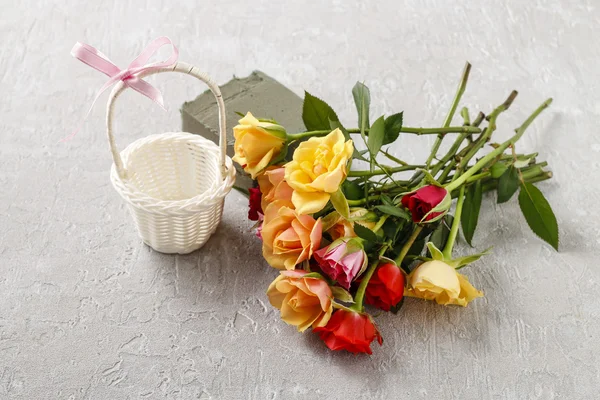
point(422, 201)
point(386, 287)
point(351, 331)
point(254, 203)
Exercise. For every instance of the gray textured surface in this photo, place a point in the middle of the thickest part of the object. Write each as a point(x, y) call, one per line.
point(87, 311)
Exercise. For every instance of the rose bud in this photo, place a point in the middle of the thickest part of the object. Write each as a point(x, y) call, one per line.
point(438, 281)
point(273, 186)
point(303, 301)
point(255, 209)
point(350, 331)
point(386, 287)
point(427, 204)
point(343, 260)
point(257, 143)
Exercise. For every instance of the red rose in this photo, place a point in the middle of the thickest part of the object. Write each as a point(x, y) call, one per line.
point(422, 201)
point(254, 203)
point(386, 287)
point(351, 331)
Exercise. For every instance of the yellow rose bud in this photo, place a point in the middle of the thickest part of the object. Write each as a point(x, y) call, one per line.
point(436, 280)
point(318, 168)
point(257, 143)
point(303, 301)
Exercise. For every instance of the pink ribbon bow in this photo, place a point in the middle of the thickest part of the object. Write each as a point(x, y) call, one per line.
point(95, 59)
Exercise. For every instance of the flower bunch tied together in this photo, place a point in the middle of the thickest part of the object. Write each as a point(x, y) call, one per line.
point(353, 228)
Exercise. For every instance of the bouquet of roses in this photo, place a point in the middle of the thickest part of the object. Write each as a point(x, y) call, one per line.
point(344, 237)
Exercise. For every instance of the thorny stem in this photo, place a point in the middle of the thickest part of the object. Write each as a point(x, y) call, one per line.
point(408, 244)
point(481, 163)
point(459, 92)
point(455, 223)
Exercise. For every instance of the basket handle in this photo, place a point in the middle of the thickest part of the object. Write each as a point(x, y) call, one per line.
point(177, 67)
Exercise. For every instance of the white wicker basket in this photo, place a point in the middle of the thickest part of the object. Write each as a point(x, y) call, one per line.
point(174, 183)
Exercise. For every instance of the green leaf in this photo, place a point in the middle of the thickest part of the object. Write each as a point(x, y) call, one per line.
point(462, 261)
point(436, 253)
point(394, 211)
point(390, 228)
point(359, 155)
point(240, 114)
point(470, 210)
point(362, 99)
point(334, 123)
point(365, 233)
point(339, 202)
point(393, 125)
point(330, 220)
point(341, 294)
point(376, 135)
point(439, 237)
point(352, 190)
point(497, 170)
point(508, 184)
point(316, 114)
point(538, 214)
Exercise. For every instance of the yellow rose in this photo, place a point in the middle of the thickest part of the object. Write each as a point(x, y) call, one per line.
point(288, 238)
point(436, 280)
point(317, 169)
point(257, 143)
point(303, 302)
point(273, 186)
point(343, 228)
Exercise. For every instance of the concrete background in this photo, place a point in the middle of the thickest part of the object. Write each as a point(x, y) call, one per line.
point(88, 312)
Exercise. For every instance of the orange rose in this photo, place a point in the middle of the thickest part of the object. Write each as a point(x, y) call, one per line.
point(273, 186)
point(288, 238)
point(304, 302)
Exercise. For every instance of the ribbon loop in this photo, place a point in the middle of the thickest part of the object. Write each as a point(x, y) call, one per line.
point(95, 59)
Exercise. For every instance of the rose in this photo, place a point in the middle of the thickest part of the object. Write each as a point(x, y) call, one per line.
point(343, 228)
point(317, 169)
point(257, 143)
point(351, 331)
point(428, 203)
point(342, 261)
point(254, 204)
point(288, 238)
point(303, 301)
point(273, 186)
point(436, 280)
point(386, 287)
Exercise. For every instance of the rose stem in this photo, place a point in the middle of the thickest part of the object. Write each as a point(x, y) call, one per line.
point(452, 151)
point(459, 92)
point(468, 130)
point(481, 163)
point(408, 244)
point(480, 142)
point(491, 184)
point(455, 223)
point(360, 292)
point(382, 172)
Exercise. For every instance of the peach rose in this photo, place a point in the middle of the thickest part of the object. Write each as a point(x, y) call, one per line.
point(288, 238)
point(273, 186)
point(303, 301)
point(257, 143)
